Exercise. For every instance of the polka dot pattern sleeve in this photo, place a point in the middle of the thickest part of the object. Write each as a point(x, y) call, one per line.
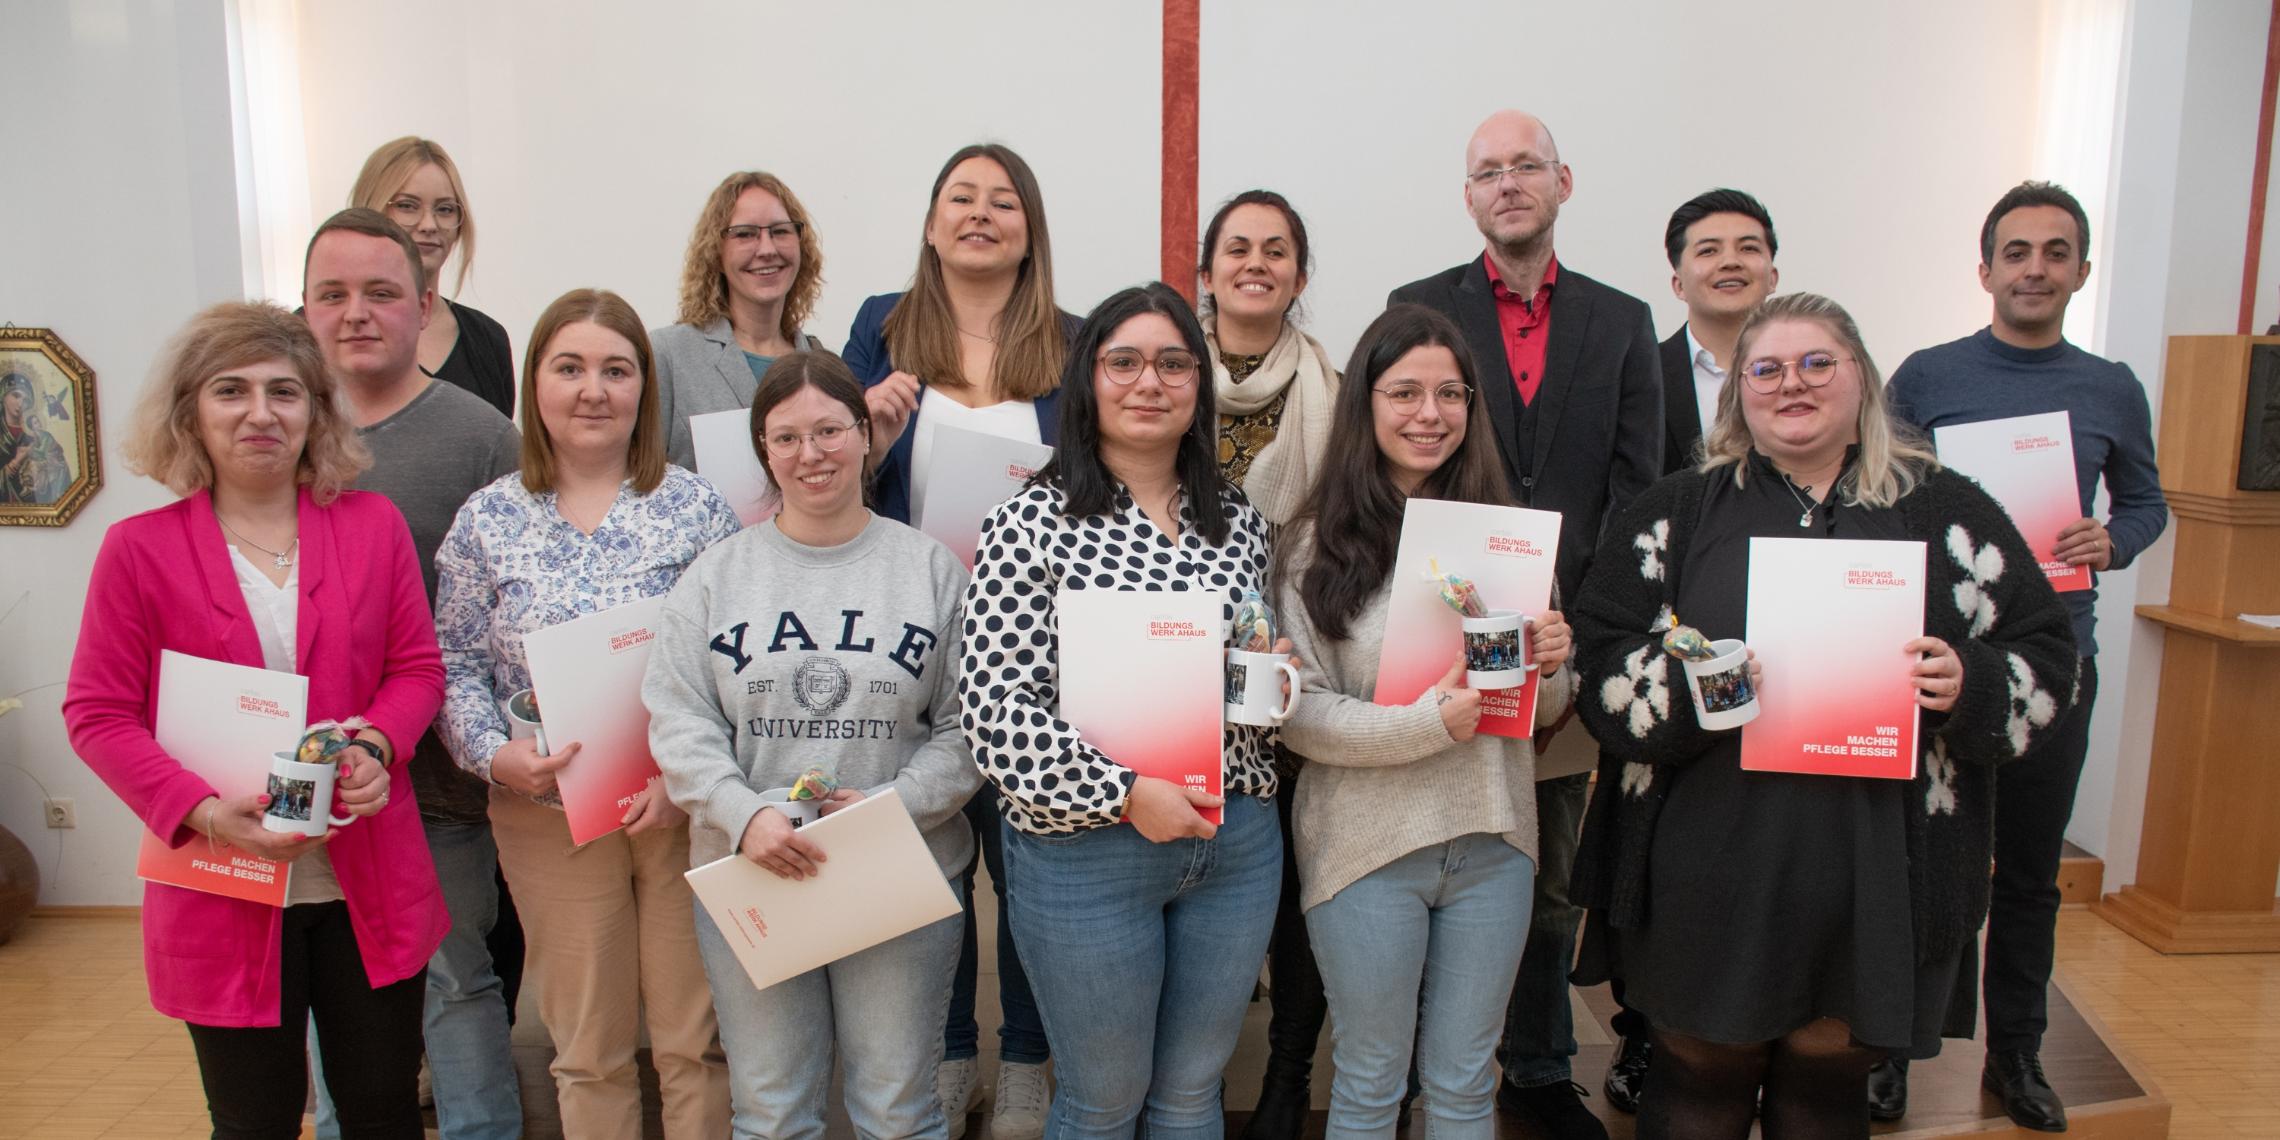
point(1052, 781)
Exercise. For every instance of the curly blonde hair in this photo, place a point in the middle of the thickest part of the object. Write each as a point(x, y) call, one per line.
point(704, 288)
point(163, 441)
point(1893, 456)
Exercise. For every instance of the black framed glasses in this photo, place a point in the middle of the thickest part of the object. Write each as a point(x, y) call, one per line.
point(1175, 368)
point(1814, 370)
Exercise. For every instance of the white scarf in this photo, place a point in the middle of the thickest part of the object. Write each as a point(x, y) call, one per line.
point(1282, 473)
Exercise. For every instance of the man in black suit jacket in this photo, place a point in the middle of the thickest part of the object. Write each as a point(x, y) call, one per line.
point(1721, 248)
point(1575, 397)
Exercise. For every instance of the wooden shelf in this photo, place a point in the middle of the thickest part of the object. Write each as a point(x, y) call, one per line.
point(2226, 629)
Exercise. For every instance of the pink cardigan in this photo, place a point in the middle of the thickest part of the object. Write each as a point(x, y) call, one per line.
point(365, 640)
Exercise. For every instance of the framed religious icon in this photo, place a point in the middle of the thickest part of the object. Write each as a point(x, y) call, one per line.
point(51, 458)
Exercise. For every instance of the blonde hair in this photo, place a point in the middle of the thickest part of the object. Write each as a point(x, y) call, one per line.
point(921, 333)
point(1893, 456)
point(645, 452)
point(704, 288)
point(164, 441)
point(393, 165)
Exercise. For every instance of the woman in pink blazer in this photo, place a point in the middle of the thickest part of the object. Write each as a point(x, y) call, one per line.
point(267, 561)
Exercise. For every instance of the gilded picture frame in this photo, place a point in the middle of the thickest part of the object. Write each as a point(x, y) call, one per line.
point(51, 451)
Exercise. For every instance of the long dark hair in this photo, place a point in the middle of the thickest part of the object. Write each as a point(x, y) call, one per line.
point(1355, 508)
point(1087, 486)
point(922, 335)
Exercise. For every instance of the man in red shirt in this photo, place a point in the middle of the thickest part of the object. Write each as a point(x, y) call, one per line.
point(1574, 390)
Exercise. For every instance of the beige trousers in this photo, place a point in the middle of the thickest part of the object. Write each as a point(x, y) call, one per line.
point(611, 930)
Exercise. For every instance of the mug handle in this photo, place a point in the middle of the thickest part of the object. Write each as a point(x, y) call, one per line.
point(340, 821)
point(1528, 642)
point(1291, 702)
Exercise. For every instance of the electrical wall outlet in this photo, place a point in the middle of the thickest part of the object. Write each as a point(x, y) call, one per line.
point(62, 813)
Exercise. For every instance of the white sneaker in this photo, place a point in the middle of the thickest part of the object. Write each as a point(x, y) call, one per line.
point(954, 1083)
point(1023, 1094)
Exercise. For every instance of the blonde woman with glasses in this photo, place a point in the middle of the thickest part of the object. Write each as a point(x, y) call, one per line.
point(416, 185)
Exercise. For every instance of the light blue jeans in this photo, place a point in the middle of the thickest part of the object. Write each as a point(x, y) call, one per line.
point(881, 1009)
point(1143, 956)
point(470, 1062)
point(1422, 950)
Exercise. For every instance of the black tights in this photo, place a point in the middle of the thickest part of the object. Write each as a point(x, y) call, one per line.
point(1815, 1084)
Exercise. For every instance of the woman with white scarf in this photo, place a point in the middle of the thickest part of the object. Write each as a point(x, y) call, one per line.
point(1274, 387)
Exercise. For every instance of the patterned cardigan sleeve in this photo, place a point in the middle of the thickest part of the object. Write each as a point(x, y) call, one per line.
point(1009, 682)
point(1991, 604)
point(1632, 695)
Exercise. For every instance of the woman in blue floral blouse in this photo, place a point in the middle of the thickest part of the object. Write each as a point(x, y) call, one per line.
point(595, 519)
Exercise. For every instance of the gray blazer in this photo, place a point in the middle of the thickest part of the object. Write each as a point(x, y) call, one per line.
point(699, 371)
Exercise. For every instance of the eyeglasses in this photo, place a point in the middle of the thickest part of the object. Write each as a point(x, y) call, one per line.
point(1520, 171)
point(782, 233)
point(1175, 369)
point(406, 212)
point(1407, 398)
point(1814, 370)
point(785, 443)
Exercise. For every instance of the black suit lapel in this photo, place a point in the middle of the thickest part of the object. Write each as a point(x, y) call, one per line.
point(1571, 327)
point(1679, 410)
point(1476, 317)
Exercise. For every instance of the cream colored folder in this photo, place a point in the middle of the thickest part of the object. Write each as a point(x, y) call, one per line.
point(878, 882)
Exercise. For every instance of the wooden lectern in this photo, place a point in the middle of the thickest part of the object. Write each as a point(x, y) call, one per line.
point(2209, 860)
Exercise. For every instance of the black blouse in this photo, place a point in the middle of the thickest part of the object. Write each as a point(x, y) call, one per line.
point(482, 361)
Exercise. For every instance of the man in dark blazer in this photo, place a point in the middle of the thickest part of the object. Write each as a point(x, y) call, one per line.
point(1721, 248)
point(1569, 370)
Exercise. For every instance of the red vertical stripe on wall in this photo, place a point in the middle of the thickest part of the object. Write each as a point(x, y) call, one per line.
point(2260, 183)
point(1182, 29)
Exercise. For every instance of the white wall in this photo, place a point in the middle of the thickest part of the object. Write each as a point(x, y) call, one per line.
point(589, 136)
point(122, 222)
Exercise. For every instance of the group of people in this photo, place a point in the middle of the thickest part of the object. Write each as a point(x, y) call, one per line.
point(357, 507)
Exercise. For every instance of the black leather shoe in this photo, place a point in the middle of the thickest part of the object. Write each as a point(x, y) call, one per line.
point(1628, 1074)
point(1284, 1101)
point(1554, 1110)
point(1888, 1089)
point(2016, 1075)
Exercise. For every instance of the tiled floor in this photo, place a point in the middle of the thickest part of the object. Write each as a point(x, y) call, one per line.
point(83, 1055)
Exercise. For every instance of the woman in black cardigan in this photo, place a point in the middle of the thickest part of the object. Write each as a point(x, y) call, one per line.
point(1782, 931)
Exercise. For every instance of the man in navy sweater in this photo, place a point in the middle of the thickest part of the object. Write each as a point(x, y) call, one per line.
point(2034, 254)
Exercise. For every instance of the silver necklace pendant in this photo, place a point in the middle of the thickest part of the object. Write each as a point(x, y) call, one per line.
point(1805, 519)
point(281, 562)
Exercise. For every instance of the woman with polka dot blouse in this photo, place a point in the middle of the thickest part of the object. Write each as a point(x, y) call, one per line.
point(1143, 925)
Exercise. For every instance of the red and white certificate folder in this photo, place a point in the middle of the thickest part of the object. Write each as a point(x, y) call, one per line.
point(1828, 618)
point(586, 673)
point(968, 474)
point(1143, 680)
point(1510, 553)
point(878, 881)
point(2025, 463)
point(224, 722)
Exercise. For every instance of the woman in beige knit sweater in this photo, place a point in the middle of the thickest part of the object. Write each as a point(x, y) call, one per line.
point(1414, 833)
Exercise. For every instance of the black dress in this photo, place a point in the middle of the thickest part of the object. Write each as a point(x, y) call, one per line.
point(481, 360)
point(1776, 899)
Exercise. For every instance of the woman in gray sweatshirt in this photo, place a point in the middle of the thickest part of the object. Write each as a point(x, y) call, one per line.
point(823, 637)
point(1413, 829)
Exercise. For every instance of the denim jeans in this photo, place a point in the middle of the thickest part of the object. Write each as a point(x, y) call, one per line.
point(470, 1063)
point(1422, 950)
point(1539, 1027)
point(1143, 956)
point(1021, 1036)
point(880, 1009)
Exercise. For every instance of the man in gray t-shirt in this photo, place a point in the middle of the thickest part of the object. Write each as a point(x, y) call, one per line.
point(433, 445)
